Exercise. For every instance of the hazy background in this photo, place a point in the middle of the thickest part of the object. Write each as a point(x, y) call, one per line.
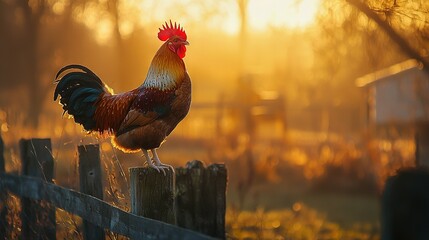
point(274, 94)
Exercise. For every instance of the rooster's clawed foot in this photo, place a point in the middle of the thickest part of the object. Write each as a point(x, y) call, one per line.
point(155, 162)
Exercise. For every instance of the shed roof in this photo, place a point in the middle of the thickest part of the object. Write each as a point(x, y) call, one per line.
point(385, 73)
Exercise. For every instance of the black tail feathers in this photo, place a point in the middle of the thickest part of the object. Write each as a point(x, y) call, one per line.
point(79, 90)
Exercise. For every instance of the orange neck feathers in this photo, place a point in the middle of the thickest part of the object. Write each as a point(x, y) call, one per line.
point(166, 71)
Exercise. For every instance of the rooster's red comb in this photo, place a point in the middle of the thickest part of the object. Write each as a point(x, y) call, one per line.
point(168, 31)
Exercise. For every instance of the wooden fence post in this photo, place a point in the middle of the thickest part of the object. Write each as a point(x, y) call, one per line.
point(405, 205)
point(90, 179)
point(201, 198)
point(38, 217)
point(3, 195)
point(152, 194)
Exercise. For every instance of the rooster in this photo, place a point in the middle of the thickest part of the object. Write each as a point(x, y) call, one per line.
point(142, 118)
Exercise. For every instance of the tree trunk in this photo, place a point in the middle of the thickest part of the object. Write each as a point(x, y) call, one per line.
point(30, 43)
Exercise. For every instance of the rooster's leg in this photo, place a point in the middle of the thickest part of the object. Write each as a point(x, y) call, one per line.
point(158, 162)
point(150, 163)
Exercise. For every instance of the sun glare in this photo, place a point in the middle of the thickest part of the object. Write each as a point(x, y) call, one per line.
point(282, 13)
point(261, 14)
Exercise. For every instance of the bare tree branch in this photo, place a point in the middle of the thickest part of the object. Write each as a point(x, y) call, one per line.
point(398, 39)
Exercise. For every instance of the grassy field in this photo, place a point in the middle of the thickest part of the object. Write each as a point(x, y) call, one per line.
point(291, 210)
point(345, 209)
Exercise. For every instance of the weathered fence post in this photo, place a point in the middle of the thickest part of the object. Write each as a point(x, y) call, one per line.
point(405, 205)
point(90, 179)
point(38, 217)
point(3, 194)
point(152, 194)
point(201, 198)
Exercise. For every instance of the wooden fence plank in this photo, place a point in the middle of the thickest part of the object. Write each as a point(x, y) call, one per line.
point(38, 218)
point(3, 195)
point(152, 194)
point(188, 196)
point(90, 177)
point(200, 198)
point(215, 195)
point(94, 210)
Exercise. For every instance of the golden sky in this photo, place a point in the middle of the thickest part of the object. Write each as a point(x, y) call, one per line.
point(217, 15)
point(261, 14)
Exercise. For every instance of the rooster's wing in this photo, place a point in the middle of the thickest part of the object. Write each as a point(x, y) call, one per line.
point(149, 105)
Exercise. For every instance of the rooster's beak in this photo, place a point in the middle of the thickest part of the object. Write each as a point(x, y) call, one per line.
point(185, 43)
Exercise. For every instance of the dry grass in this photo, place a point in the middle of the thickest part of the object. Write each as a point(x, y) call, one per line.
point(298, 223)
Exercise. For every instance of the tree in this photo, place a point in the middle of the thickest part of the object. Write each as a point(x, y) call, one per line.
point(22, 37)
point(404, 45)
point(37, 36)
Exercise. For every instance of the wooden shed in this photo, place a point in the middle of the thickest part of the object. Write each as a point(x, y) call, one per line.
point(399, 96)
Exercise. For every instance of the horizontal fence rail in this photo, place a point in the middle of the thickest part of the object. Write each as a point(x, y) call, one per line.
point(94, 210)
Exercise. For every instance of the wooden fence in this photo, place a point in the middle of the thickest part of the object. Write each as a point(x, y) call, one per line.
point(186, 204)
